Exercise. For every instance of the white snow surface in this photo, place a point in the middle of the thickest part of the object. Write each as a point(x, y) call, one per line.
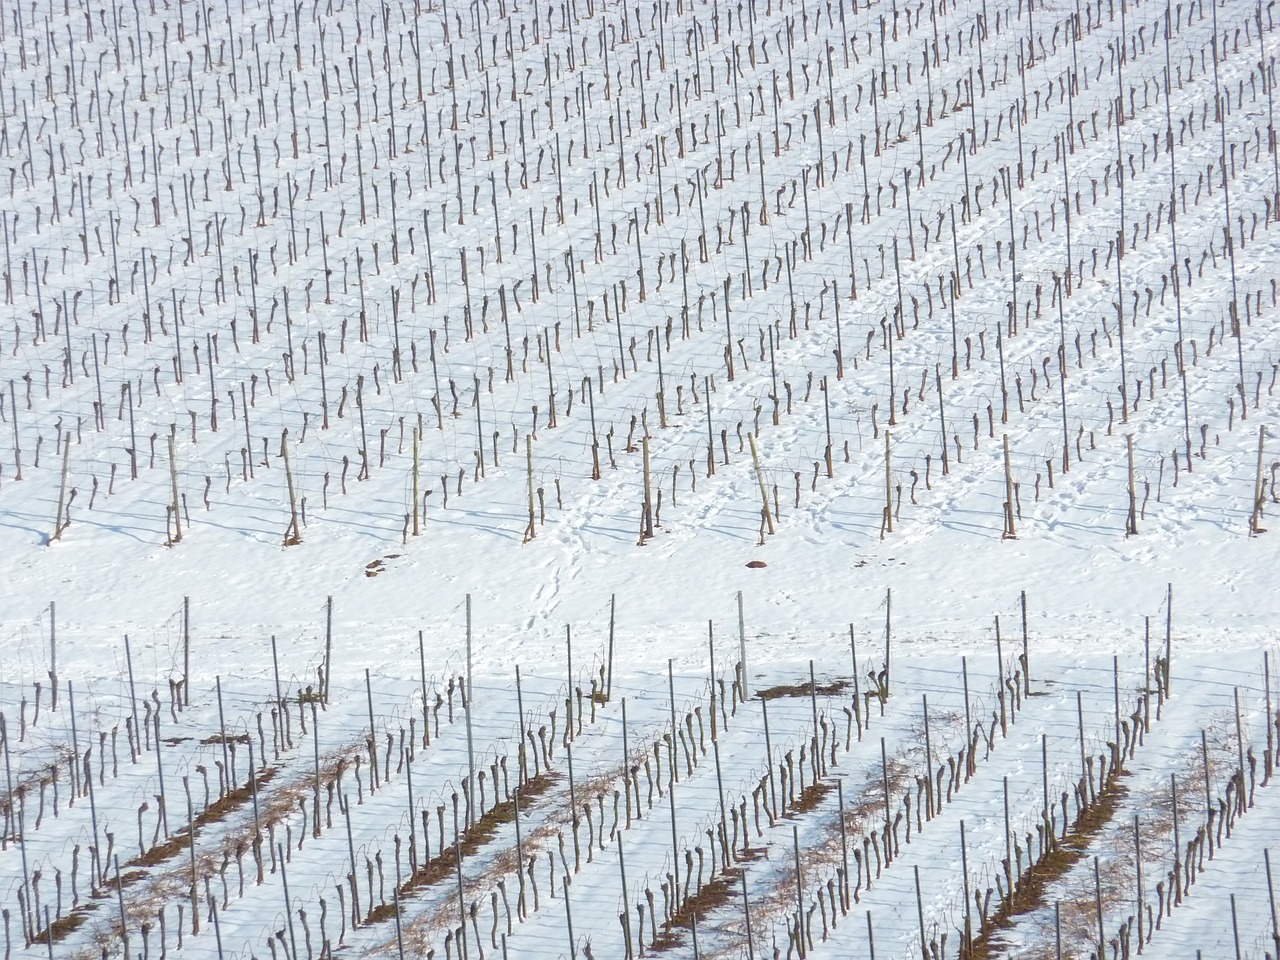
point(507, 235)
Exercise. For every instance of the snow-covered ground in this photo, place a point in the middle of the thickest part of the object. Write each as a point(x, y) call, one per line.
point(585, 343)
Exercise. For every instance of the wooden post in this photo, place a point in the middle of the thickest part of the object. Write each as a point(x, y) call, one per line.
point(222, 734)
point(626, 910)
point(884, 779)
point(13, 412)
point(59, 525)
point(1235, 926)
point(480, 426)
point(826, 408)
point(1097, 895)
point(928, 759)
point(844, 845)
point(531, 530)
point(595, 437)
point(288, 901)
point(773, 375)
point(1177, 841)
point(1062, 377)
point(328, 647)
point(675, 729)
point(1004, 717)
point(1008, 848)
point(1004, 388)
point(523, 729)
point(133, 695)
point(22, 834)
point(1080, 721)
point(1013, 246)
point(646, 524)
point(1026, 658)
point(888, 481)
point(1137, 858)
point(416, 498)
point(1131, 526)
point(315, 799)
point(568, 717)
point(124, 923)
point(1010, 533)
point(133, 436)
point(672, 768)
point(1220, 108)
point(942, 419)
point(768, 756)
point(888, 624)
point(742, 650)
point(795, 841)
point(373, 735)
point(835, 299)
point(1266, 677)
point(1146, 675)
point(395, 891)
point(1271, 895)
point(293, 535)
point(608, 690)
point(711, 443)
point(422, 672)
point(967, 941)
point(899, 318)
point(471, 753)
point(248, 442)
point(662, 391)
point(1255, 518)
point(1044, 773)
point(1235, 693)
point(813, 702)
point(186, 652)
point(764, 494)
point(173, 480)
point(515, 799)
point(1208, 789)
point(924, 944)
point(551, 384)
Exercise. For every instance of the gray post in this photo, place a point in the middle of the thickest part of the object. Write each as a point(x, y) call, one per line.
point(471, 754)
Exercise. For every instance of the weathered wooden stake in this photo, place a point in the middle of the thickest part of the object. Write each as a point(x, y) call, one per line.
point(764, 494)
point(531, 530)
point(1026, 660)
point(887, 525)
point(1137, 858)
point(470, 706)
point(1097, 893)
point(1131, 524)
point(293, 534)
point(1255, 518)
point(1010, 533)
point(186, 651)
point(59, 525)
point(1271, 895)
point(417, 501)
point(373, 735)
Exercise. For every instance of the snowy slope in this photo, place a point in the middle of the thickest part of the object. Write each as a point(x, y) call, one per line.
point(480, 290)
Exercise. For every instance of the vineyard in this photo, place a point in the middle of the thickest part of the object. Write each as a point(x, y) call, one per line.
point(586, 479)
